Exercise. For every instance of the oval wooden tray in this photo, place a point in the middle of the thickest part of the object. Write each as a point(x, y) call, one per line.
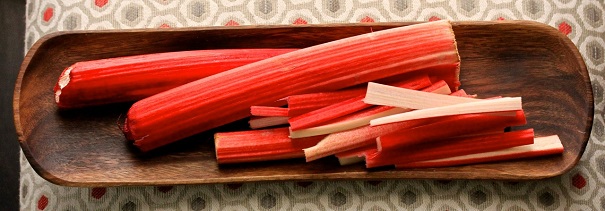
point(85, 148)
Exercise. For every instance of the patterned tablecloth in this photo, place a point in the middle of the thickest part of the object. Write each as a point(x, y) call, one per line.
point(583, 188)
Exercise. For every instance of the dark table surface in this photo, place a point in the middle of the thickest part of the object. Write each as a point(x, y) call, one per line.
point(12, 29)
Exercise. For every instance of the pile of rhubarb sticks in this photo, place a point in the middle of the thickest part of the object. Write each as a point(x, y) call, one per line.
point(389, 97)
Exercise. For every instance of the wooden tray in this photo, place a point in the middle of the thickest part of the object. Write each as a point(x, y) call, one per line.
point(85, 147)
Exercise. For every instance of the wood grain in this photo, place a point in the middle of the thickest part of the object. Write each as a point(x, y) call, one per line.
point(85, 148)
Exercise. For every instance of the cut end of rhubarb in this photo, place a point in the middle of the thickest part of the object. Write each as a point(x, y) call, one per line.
point(217, 139)
point(263, 122)
point(144, 146)
point(57, 96)
point(457, 73)
point(350, 160)
point(310, 154)
point(62, 83)
point(126, 130)
point(378, 144)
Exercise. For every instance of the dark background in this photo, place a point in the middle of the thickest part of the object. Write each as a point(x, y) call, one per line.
point(12, 29)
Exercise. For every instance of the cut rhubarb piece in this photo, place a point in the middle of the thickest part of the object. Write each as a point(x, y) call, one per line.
point(356, 155)
point(457, 125)
point(268, 111)
point(322, 115)
point(379, 94)
point(450, 147)
point(358, 137)
point(447, 126)
point(482, 106)
point(259, 145)
point(131, 78)
point(363, 118)
point(542, 146)
point(263, 122)
point(304, 103)
point(226, 97)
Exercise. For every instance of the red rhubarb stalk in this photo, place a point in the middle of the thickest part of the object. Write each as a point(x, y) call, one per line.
point(226, 97)
point(131, 78)
point(482, 106)
point(542, 146)
point(355, 120)
point(259, 145)
point(268, 111)
point(450, 147)
point(379, 94)
point(304, 103)
point(263, 122)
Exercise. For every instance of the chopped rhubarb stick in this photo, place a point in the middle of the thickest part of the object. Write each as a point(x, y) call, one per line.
point(322, 115)
point(259, 145)
point(458, 125)
point(131, 78)
point(363, 117)
point(450, 147)
point(355, 155)
point(355, 120)
point(542, 146)
point(351, 139)
point(379, 94)
point(358, 137)
point(304, 103)
point(262, 122)
point(483, 106)
point(268, 111)
point(226, 97)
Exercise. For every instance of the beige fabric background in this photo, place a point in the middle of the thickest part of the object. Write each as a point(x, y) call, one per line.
point(583, 21)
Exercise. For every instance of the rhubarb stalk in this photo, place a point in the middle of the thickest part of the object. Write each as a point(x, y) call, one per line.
point(379, 94)
point(483, 106)
point(262, 122)
point(542, 146)
point(304, 103)
point(268, 111)
point(259, 145)
point(131, 78)
point(226, 97)
point(450, 147)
